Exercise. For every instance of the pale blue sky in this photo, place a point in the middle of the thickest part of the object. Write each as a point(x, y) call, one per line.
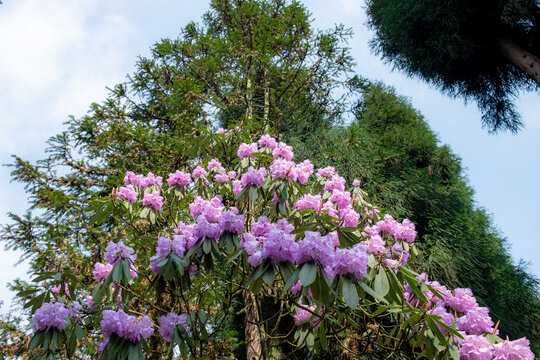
point(58, 57)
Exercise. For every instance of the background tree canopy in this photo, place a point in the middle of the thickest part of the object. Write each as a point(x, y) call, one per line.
point(261, 65)
point(484, 51)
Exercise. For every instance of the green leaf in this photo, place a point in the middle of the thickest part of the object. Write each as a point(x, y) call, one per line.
point(207, 246)
point(381, 285)
point(269, 275)
point(308, 273)
point(349, 292)
point(371, 292)
point(253, 194)
point(36, 340)
point(117, 272)
point(127, 273)
point(133, 351)
point(293, 279)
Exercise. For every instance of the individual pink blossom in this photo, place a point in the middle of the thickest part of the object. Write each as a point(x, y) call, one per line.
point(356, 183)
point(296, 288)
point(316, 248)
point(50, 315)
point(179, 178)
point(116, 251)
point(128, 192)
point(214, 163)
point(153, 200)
point(463, 300)
point(475, 321)
point(245, 150)
point(151, 179)
point(89, 301)
point(231, 174)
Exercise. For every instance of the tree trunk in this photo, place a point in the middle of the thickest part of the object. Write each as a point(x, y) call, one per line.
point(520, 57)
point(253, 335)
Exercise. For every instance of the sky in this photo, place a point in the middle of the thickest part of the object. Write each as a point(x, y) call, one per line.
point(60, 56)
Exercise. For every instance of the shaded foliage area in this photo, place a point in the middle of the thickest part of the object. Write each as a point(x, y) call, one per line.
point(393, 151)
point(464, 48)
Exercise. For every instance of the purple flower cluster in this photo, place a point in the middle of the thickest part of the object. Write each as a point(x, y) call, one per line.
point(245, 150)
point(115, 251)
point(52, 315)
point(309, 202)
point(128, 192)
point(101, 271)
point(253, 177)
point(153, 200)
point(404, 231)
point(268, 141)
point(168, 323)
point(179, 178)
point(283, 150)
point(199, 171)
point(126, 326)
point(269, 240)
point(143, 181)
point(275, 241)
point(476, 347)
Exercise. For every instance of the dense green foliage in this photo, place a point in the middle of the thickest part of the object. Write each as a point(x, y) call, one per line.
point(468, 49)
point(390, 147)
point(261, 65)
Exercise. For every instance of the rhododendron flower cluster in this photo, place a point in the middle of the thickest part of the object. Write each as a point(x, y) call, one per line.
point(476, 347)
point(53, 314)
point(153, 199)
point(168, 323)
point(143, 181)
point(180, 178)
point(126, 326)
point(116, 251)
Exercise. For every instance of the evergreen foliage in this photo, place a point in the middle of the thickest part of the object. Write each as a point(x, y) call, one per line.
point(485, 51)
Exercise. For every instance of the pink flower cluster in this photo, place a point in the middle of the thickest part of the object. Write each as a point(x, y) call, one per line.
point(179, 178)
point(153, 199)
point(476, 347)
point(125, 326)
point(253, 177)
point(143, 181)
point(129, 193)
point(472, 323)
point(404, 231)
point(53, 315)
point(168, 323)
point(115, 251)
point(275, 241)
point(180, 242)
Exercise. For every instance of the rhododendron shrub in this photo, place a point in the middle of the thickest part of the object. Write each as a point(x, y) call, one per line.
point(253, 224)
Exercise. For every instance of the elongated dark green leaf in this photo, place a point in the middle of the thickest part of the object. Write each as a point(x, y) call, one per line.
point(350, 295)
point(269, 275)
point(308, 273)
point(293, 279)
point(36, 340)
point(381, 285)
point(207, 246)
point(253, 194)
point(371, 292)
